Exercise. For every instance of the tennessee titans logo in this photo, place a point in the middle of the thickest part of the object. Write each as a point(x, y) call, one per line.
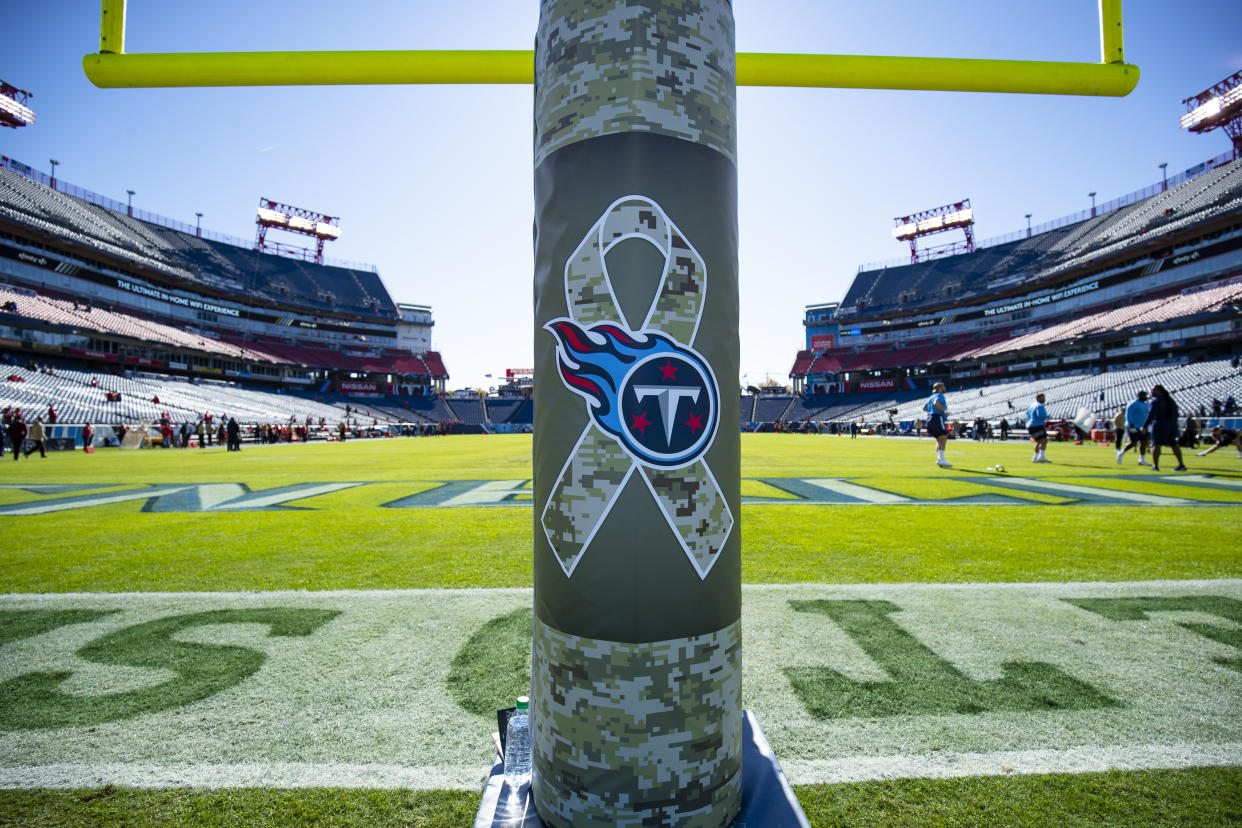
point(657, 397)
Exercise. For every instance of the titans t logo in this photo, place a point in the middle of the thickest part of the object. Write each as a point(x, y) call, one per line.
point(657, 397)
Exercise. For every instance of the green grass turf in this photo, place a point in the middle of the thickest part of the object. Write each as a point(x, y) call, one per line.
point(1193, 797)
point(347, 540)
point(241, 807)
point(351, 542)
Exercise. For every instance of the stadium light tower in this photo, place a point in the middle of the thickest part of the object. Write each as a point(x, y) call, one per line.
point(198, 225)
point(13, 110)
point(129, 209)
point(54, 164)
point(1092, 194)
point(1028, 225)
point(1164, 175)
point(957, 216)
point(273, 214)
point(1218, 107)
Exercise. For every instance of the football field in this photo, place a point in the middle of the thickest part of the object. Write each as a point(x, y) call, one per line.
point(320, 634)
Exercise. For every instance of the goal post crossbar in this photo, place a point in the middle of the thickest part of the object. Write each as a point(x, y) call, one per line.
point(112, 67)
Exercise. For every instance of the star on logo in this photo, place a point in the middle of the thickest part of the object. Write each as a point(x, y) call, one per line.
point(668, 370)
point(695, 423)
point(640, 423)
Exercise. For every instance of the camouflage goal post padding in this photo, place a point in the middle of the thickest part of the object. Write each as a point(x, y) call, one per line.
point(636, 678)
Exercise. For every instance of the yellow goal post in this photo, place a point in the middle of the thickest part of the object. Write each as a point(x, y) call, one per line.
point(113, 67)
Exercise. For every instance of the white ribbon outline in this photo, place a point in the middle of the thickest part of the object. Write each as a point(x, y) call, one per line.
point(636, 463)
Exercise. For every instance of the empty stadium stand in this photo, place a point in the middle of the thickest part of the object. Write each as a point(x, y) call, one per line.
point(1154, 277)
point(88, 285)
point(1030, 261)
point(208, 263)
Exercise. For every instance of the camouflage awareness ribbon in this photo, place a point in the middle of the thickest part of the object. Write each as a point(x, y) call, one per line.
point(598, 467)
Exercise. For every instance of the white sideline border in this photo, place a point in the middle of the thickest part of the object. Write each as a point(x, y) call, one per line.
point(284, 775)
point(275, 775)
point(882, 586)
point(1013, 763)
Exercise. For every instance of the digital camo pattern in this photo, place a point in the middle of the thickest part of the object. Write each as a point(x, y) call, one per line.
point(637, 734)
point(586, 490)
point(695, 507)
point(676, 309)
point(592, 478)
point(659, 66)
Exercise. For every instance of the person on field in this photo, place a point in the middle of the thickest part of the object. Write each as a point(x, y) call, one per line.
point(17, 433)
point(1223, 437)
point(37, 438)
point(1119, 430)
point(1163, 422)
point(1190, 434)
point(937, 424)
point(1037, 427)
point(1136, 429)
point(234, 435)
point(88, 434)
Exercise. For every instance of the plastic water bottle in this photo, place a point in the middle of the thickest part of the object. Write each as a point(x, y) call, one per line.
point(518, 745)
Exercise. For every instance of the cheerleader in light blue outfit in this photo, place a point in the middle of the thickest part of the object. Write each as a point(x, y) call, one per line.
point(1036, 424)
point(937, 423)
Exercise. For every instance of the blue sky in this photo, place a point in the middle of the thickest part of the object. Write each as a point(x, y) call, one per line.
point(433, 184)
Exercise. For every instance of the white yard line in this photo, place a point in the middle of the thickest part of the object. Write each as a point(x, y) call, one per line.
point(480, 592)
point(939, 765)
point(247, 775)
point(1012, 762)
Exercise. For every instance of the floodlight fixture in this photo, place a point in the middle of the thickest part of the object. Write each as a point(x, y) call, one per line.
point(1217, 107)
point(13, 110)
point(274, 215)
point(957, 216)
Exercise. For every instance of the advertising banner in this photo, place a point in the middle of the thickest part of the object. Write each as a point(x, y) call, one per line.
point(823, 342)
